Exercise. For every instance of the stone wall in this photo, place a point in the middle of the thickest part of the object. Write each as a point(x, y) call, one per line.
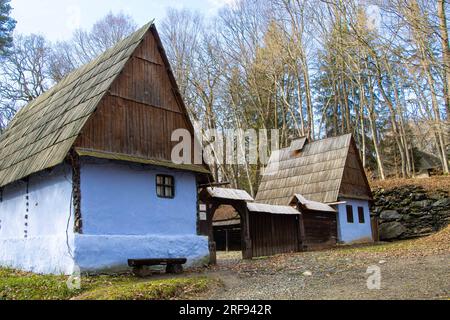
point(410, 211)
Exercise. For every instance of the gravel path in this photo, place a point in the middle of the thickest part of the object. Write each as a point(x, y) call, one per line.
point(335, 274)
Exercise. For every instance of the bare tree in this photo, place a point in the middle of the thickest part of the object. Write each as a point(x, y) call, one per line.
point(443, 29)
point(23, 74)
point(85, 45)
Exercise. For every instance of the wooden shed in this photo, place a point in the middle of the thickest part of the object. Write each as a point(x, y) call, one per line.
point(266, 229)
point(318, 222)
point(328, 171)
point(274, 229)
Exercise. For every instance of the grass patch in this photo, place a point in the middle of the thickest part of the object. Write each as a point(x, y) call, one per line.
point(17, 285)
point(167, 289)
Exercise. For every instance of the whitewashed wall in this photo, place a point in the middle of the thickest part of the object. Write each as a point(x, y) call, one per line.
point(354, 232)
point(123, 218)
point(34, 218)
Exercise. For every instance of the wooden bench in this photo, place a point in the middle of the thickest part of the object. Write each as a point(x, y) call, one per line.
point(173, 266)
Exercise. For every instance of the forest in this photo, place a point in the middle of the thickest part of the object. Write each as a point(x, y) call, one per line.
point(379, 69)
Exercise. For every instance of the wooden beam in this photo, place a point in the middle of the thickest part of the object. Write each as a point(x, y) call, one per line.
point(144, 103)
point(301, 232)
point(247, 252)
point(76, 191)
point(214, 184)
point(211, 208)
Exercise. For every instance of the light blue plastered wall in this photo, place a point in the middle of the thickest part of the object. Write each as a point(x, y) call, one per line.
point(124, 219)
point(36, 223)
point(356, 231)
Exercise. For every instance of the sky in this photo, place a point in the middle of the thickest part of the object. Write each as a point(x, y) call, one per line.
point(56, 19)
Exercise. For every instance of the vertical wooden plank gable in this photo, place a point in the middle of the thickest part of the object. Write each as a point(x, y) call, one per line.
point(354, 181)
point(141, 110)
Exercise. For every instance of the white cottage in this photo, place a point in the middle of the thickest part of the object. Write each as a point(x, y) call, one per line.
point(86, 177)
point(327, 171)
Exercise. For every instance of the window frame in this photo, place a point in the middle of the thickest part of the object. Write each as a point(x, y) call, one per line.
point(164, 186)
point(347, 208)
point(361, 214)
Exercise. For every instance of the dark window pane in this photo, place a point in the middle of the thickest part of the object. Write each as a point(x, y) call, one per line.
point(165, 186)
point(159, 191)
point(350, 214)
point(361, 215)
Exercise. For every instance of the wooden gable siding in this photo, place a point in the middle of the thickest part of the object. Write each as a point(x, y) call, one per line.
point(140, 111)
point(354, 181)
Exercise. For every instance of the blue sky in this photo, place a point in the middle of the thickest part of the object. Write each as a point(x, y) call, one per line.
point(56, 19)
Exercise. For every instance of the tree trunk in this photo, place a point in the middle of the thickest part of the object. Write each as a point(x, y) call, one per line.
point(374, 133)
point(363, 133)
point(445, 53)
point(437, 118)
point(394, 124)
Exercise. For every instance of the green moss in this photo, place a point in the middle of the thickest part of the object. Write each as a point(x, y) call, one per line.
point(152, 290)
point(16, 285)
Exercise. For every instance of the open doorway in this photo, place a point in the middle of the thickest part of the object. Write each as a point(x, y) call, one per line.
point(227, 229)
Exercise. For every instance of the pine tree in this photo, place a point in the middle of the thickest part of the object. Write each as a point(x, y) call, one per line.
point(7, 25)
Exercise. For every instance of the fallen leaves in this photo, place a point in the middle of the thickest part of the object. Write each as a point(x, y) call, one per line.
point(429, 184)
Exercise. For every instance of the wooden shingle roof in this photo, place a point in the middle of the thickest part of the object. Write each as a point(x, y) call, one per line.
point(316, 172)
point(229, 194)
point(43, 132)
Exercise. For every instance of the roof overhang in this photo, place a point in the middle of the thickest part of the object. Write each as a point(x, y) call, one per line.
point(127, 158)
point(228, 194)
point(272, 209)
point(311, 205)
point(226, 223)
point(343, 197)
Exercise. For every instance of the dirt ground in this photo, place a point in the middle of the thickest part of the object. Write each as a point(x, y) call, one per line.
point(417, 269)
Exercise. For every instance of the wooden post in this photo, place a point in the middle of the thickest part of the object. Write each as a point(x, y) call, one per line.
point(76, 191)
point(247, 252)
point(226, 240)
point(211, 209)
point(301, 232)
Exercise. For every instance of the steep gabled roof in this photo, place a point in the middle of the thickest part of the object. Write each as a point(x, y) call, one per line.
point(316, 172)
point(42, 132)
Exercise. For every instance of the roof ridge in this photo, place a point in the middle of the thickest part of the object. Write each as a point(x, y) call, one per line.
point(320, 140)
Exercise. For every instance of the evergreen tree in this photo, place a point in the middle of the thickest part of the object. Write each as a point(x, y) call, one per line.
point(7, 25)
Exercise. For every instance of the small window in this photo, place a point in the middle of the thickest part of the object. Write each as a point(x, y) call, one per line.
point(361, 215)
point(350, 214)
point(165, 186)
